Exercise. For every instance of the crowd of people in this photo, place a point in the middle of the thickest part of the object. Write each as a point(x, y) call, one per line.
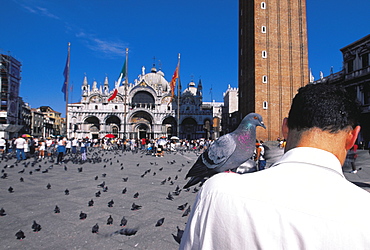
point(26, 146)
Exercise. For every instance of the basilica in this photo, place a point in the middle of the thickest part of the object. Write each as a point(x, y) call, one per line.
point(143, 109)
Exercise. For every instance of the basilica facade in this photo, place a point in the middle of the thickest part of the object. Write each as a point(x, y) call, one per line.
point(141, 109)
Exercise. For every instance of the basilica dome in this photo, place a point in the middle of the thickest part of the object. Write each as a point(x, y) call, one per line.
point(156, 78)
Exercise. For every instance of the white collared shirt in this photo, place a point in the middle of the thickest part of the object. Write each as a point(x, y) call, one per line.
point(303, 202)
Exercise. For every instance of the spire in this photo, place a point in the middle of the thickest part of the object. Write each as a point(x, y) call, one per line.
point(106, 80)
point(84, 83)
point(199, 88)
point(106, 86)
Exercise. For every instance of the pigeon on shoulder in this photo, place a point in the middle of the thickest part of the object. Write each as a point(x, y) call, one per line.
point(227, 152)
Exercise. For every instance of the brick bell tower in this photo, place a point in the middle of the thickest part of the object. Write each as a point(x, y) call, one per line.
point(273, 59)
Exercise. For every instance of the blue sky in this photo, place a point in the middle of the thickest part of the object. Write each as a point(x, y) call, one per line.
point(205, 32)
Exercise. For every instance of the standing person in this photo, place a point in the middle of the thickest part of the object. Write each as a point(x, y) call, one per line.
point(74, 145)
point(143, 143)
point(61, 149)
point(26, 148)
point(68, 146)
point(49, 146)
point(260, 156)
point(32, 146)
point(42, 148)
point(351, 158)
point(303, 201)
point(83, 150)
point(19, 148)
point(2, 147)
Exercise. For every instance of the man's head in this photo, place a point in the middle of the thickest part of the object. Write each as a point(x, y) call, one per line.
point(323, 106)
point(322, 116)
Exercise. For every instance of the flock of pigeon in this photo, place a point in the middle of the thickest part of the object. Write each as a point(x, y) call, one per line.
point(139, 179)
point(117, 181)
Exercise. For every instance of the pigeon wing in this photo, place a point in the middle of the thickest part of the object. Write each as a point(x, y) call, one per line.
point(219, 152)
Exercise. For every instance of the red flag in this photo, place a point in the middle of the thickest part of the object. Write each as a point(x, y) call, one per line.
point(114, 95)
point(173, 81)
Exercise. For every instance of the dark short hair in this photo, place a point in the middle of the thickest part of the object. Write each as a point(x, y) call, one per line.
point(324, 106)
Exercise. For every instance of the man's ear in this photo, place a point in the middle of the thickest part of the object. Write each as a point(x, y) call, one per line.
point(351, 137)
point(285, 128)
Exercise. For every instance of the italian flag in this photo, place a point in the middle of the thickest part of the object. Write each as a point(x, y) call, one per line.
point(122, 75)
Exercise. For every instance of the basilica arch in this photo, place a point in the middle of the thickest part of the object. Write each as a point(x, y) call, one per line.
point(91, 127)
point(141, 125)
point(207, 126)
point(143, 99)
point(112, 125)
point(189, 128)
point(169, 126)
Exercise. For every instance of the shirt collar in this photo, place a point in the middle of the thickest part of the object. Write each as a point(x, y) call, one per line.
point(313, 156)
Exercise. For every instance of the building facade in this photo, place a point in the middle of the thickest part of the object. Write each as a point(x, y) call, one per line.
point(355, 77)
point(230, 113)
point(145, 108)
point(273, 59)
point(54, 116)
point(37, 123)
point(10, 78)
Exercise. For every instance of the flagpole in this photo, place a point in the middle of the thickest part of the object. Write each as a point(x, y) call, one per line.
point(125, 99)
point(67, 85)
point(178, 97)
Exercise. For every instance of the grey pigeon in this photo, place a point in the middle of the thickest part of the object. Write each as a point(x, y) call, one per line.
point(159, 222)
point(2, 212)
point(123, 221)
point(83, 216)
point(95, 229)
point(187, 211)
point(110, 220)
point(20, 235)
point(178, 236)
point(56, 210)
point(227, 152)
point(36, 227)
point(126, 231)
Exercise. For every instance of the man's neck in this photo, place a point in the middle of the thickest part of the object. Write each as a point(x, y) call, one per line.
point(317, 138)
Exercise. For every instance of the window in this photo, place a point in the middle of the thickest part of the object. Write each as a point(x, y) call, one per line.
point(265, 105)
point(241, 51)
point(264, 79)
point(365, 60)
point(143, 97)
point(263, 5)
point(350, 66)
point(264, 54)
point(96, 106)
point(115, 107)
point(263, 29)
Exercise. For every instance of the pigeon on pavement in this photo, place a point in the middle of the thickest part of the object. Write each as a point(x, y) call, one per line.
point(178, 236)
point(95, 229)
point(2, 212)
point(110, 220)
point(123, 221)
point(36, 227)
point(126, 231)
point(159, 222)
point(20, 235)
point(227, 152)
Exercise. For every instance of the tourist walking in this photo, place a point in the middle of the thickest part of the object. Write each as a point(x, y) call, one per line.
point(19, 148)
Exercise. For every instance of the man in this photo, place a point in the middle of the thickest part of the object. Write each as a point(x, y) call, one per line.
point(2, 147)
point(304, 200)
point(19, 147)
point(260, 156)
